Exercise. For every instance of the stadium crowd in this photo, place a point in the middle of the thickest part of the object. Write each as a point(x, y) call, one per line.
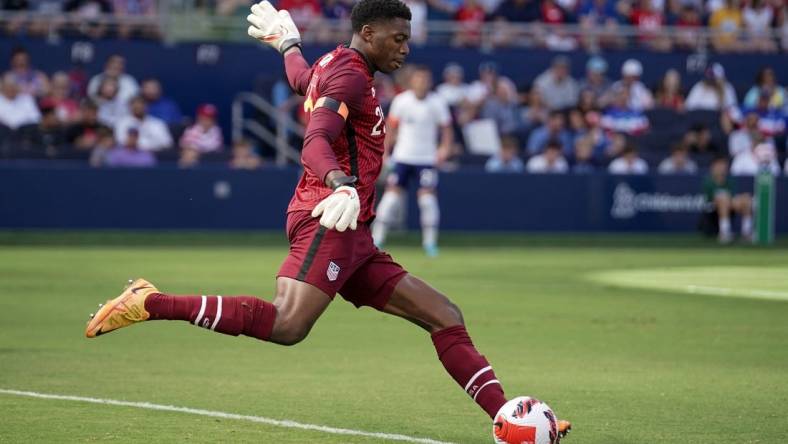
point(735, 25)
point(551, 124)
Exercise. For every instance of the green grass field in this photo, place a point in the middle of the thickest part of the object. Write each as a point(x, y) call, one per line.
point(621, 335)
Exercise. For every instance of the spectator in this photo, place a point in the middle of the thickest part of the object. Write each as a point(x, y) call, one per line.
point(595, 81)
point(337, 9)
point(713, 93)
point(470, 19)
point(60, 95)
point(88, 14)
point(244, 156)
point(105, 143)
point(111, 108)
point(488, 78)
point(29, 80)
point(453, 90)
point(418, 21)
point(204, 136)
point(17, 109)
point(188, 158)
point(115, 68)
point(747, 136)
point(765, 81)
point(628, 163)
point(719, 192)
point(640, 98)
point(552, 13)
point(698, 139)
point(502, 108)
point(649, 22)
point(159, 106)
point(679, 162)
point(48, 18)
point(136, 10)
point(534, 113)
point(550, 161)
point(557, 87)
point(669, 92)
point(726, 24)
point(761, 157)
point(554, 129)
point(584, 159)
point(599, 20)
point(507, 160)
point(771, 121)
point(129, 154)
point(596, 134)
point(85, 133)
point(152, 134)
point(620, 117)
point(688, 33)
point(305, 13)
point(757, 17)
point(49, 138)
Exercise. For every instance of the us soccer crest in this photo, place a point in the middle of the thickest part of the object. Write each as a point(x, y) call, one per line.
point(332, 272)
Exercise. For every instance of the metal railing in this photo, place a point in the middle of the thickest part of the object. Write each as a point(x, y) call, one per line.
point(284, 125)
point(181, 20)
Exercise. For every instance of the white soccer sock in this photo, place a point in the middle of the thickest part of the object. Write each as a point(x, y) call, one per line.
point(388, 210)
point(746, 225)
point(725, 226)
point(430, 217)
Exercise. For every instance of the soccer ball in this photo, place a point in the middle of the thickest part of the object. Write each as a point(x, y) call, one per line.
point(525, 420)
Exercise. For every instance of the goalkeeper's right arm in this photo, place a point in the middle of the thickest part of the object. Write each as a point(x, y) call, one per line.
point(277, 30)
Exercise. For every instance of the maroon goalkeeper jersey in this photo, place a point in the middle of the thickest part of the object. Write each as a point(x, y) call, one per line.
point(353, 126)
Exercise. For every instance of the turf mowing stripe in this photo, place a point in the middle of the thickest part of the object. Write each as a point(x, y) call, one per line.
point(225, 415)
point(752, 293)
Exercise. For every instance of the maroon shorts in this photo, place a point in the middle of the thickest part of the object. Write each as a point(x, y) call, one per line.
point(347, 263)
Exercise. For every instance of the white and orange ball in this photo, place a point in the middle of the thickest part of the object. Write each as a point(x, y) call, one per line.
point(525, 420)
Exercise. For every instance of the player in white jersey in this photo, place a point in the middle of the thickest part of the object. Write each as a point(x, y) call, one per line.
point(417, 120)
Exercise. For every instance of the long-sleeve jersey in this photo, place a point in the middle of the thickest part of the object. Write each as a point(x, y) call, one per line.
point(345, 130)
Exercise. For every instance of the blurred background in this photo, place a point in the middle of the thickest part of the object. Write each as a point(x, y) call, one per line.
point(569, 115)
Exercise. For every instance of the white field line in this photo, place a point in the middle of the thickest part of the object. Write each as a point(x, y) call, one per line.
point(751, 293)
point(225, 415)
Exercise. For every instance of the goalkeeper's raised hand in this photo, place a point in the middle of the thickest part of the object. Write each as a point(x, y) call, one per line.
point(272, 27)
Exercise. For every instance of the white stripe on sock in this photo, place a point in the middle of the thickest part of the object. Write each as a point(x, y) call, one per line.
point(218, 312)
point(476, 376)
point(491, 381)
point(202, 311)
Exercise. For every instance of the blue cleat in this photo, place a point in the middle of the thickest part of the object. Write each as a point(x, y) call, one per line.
point(431, 250)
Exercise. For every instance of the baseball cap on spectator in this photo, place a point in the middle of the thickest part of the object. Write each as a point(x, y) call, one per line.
point(454, 68)
point(715, 71)
point(47, 105)
point(561, 60)
point(207, 110)
point(596, 64)
point(631, 68)
point(488, 67)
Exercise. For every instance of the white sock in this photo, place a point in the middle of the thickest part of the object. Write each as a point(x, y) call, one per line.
point(746, 225)
point(430, 217)
point(388, 210)
point(725, 226)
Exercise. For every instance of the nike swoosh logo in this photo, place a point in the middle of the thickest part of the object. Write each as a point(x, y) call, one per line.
point(134, 290)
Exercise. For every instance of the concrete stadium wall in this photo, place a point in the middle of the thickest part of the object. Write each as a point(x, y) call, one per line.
point(78, 197)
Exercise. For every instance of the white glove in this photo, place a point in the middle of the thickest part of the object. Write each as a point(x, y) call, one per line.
point(273, 28)
point(340, 209)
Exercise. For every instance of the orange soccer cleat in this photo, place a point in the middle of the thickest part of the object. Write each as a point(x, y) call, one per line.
point(124, 310)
